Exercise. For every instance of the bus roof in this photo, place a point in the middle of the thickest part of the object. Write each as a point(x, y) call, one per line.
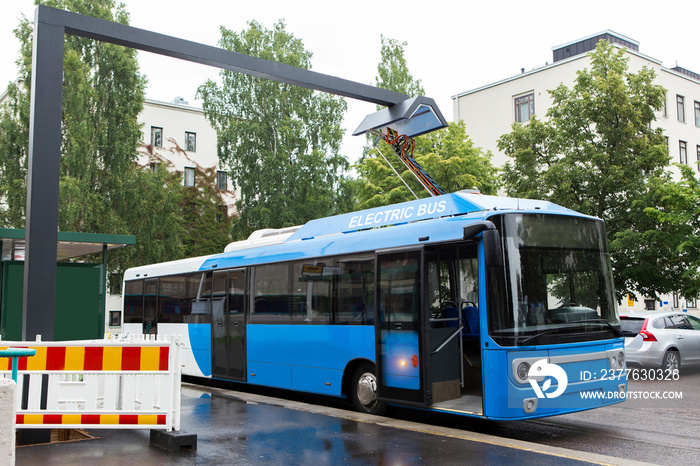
point(448, 205)
point(426, 220)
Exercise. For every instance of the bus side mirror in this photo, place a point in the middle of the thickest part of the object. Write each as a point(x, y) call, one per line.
point(493, 255)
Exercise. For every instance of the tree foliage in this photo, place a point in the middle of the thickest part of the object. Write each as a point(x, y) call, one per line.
point(102, 189)
point(598, 154)
point(280, 142)
point(392, 70)
point(449, 155)
point(660, 252)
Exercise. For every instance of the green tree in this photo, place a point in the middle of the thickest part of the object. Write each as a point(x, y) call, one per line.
point(392, 70)
point(449, 155)
point(14, 142)
point(206, 220)
point(660, 252)
point(598, 154)
point(100, 181)
point(280, 142)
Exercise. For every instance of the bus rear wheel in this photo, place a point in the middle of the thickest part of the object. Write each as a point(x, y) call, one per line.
point(363, 391)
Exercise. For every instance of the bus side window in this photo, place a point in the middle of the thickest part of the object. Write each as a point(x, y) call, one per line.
point(198, 298)
point(150, 301)
point(355, 297)
point(271, 293)
point(133, 302)
point(172, 292)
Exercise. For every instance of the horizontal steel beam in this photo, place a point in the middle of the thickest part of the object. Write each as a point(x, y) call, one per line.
point(141, 39)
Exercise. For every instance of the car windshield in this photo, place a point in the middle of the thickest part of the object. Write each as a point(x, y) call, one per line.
point(557, 282)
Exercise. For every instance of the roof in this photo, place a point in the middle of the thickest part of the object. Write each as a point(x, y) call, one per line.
point(70, 244)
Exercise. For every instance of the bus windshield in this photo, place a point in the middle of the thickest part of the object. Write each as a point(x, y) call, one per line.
point(556, 283)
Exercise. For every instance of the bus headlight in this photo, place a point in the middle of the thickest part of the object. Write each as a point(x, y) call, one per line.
point(523, 369)
point(617, 360)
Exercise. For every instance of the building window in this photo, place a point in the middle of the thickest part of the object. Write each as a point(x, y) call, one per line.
point(697, 148)
point(190, 141)
point(524, 107)
point(697, 113)
point(156, 136)
point(189, 176)
point(680, 107)
point(676, 301)
point(153, 166)
point(115, 318)
point(221, 213)
point(691, 303)
point(683, 151)
point(221, 180)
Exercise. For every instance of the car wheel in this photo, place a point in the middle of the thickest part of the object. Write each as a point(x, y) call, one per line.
point(671, 361)
point(363, 391)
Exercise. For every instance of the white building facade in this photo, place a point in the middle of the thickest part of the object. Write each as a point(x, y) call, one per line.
point(490, 111)
point(179, 138)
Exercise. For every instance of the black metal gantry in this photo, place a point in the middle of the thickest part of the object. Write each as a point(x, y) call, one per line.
point(50, 27)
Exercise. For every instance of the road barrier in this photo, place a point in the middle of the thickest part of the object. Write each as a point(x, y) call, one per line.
point(115, 383)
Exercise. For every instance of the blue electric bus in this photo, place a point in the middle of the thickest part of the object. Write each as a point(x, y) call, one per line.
point(486, 306)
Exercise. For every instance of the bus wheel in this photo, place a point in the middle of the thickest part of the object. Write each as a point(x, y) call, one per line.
point(363, 391)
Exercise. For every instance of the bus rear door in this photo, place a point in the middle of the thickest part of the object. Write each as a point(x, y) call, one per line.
point(228, 325)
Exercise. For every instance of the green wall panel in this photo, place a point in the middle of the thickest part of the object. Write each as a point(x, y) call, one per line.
point(79, 301)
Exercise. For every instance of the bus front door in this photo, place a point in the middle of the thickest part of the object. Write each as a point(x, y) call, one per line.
point(399, 329)
point(228, 325)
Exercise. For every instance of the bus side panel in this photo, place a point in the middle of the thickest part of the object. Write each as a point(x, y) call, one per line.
point(189, 338)
point(305, 357)
point(196, 345)
point(200, 339)
point(317, 380)
point(270, 375)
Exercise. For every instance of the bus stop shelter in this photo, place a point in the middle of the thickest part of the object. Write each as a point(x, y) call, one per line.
point(81, 283)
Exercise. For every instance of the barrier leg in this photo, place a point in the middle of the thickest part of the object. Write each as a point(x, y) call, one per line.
point(7, 421)
point(173, 441)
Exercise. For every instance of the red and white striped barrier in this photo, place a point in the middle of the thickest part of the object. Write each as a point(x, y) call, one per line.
point(106, 384)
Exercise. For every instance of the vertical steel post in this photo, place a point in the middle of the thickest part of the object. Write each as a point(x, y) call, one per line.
point(43, 180)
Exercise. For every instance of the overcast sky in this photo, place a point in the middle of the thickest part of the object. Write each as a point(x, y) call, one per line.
point(453, 46)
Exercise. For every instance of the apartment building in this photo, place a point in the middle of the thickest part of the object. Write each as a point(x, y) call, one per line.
point(489, 111)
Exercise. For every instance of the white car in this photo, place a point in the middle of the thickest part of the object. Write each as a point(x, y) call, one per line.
point(667, 340)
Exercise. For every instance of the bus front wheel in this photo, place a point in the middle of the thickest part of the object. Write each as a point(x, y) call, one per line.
point(363, 391)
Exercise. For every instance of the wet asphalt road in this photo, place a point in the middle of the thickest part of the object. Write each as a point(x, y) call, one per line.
point(249, 428)
point(643, 429)
point(258, 426)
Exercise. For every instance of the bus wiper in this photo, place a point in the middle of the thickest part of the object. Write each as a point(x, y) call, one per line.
point(544, 332)
point(616, 331)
